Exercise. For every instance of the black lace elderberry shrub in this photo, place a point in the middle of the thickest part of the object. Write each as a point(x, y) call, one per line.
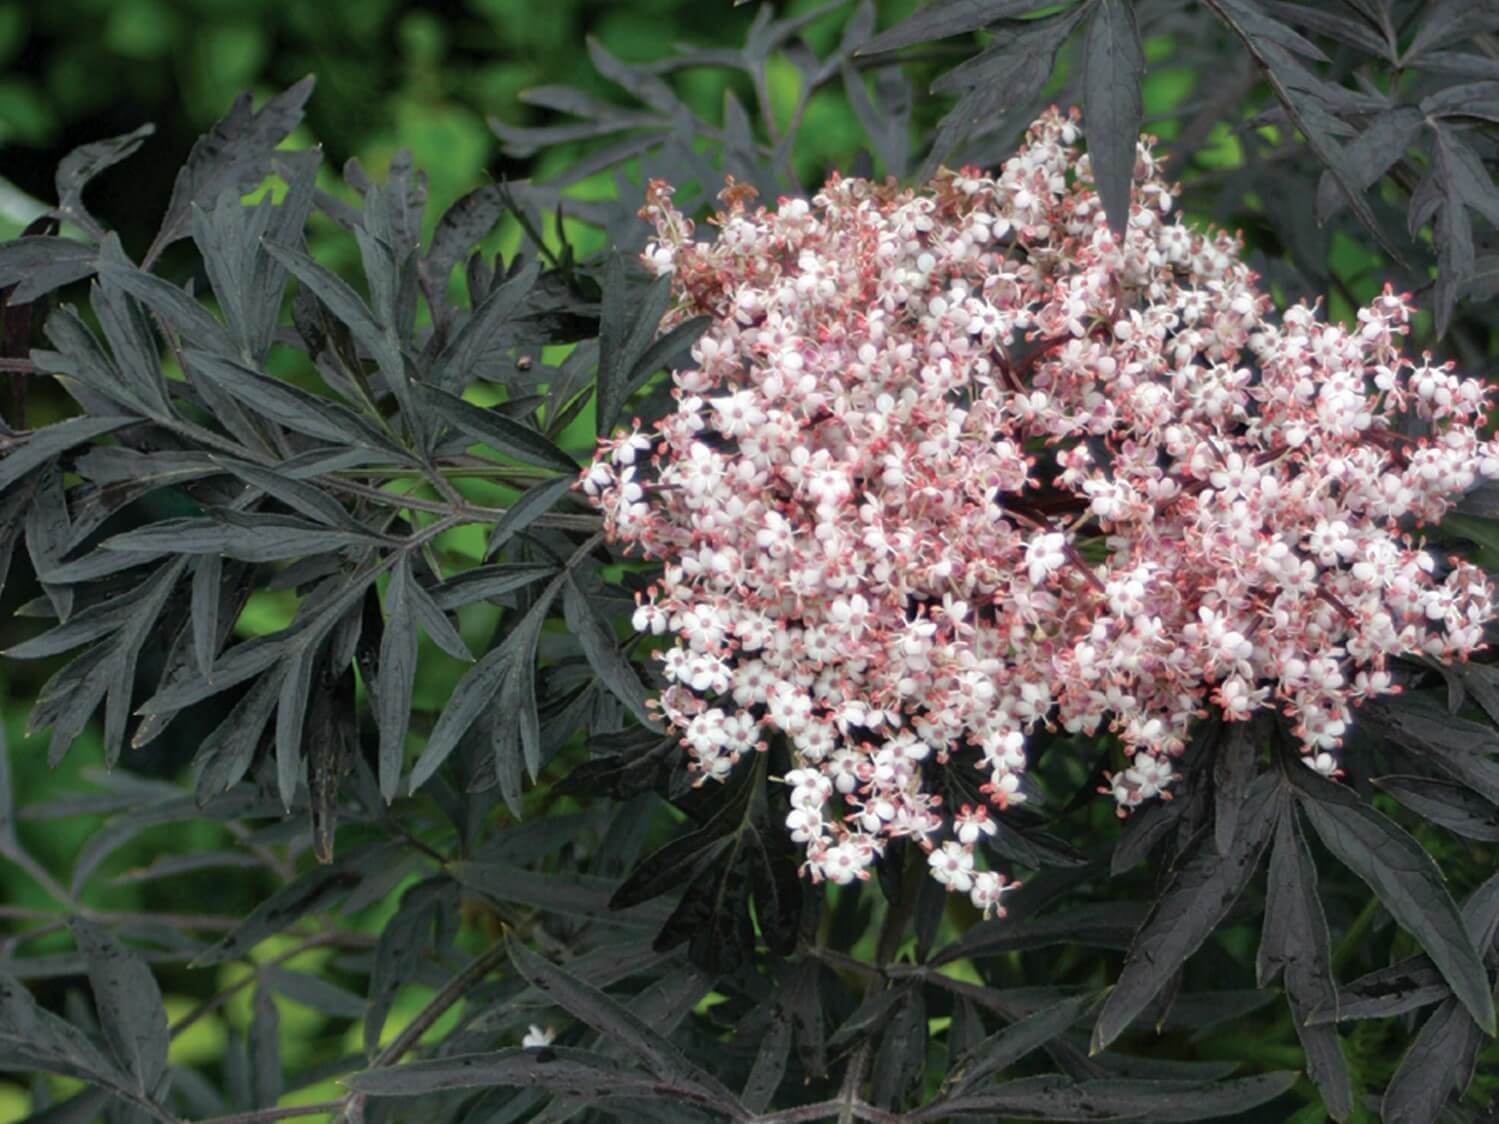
point(331, 534)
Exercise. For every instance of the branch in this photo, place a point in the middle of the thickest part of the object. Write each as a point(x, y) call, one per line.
point(454, 990)
point(220, 996)
point(467, 512)
point(210, 921)
point(43, 877)
point(808, 1113)
point(283, 1112)
point(411, 1034)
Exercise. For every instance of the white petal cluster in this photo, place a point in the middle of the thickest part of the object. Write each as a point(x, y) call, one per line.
point(957, 461)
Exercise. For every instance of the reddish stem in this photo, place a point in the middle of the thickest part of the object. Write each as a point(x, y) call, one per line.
point(1087, 571)
point(1332, 599)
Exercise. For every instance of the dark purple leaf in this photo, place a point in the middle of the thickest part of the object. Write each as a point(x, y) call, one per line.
point(398, 952)
point(533, 503)
point(461, 226)
point(1447, 21)
point(1438, 1066)
point(1200, 893)
point(1265, 38)
point(560, 1071)
point(264, 1048)
point(250, 538)
point(769, 1067)
point(901, 1056)
point(943, 19)
point(36, 264)
point(34, 1038)
point(1113, 66)
point(1294, 945)
point(1119, 1098)
point(488, 582)
point(1386, 139)
point(129, 1005)
point(483, 331)
point(1234, 756)
point(1333, 23)
point(601, 648)
point(174, 304)
point(619, 1026)
point(1446, 803)
point(999, 79)
point(317, 889)
point(1471, 99)
point(1005, 1047)
point(626, 332)
point(1098, 926)
point(1463, 64)
point(495, 429)
point(1465, 174)
point(226, 754)
point(43, 445)
point(315, 992)
point(286, 404)
point(232, 156)
point(330, 734)
point(78, 167)
point(512, 660)
point(397, 674)
point(637, 80)
point(1406, 880)
point(868, 1017)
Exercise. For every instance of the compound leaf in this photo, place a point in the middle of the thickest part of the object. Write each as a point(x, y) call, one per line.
point(1407, 881)
point(1199, 894)
point(234, 155)
point(35, 1038)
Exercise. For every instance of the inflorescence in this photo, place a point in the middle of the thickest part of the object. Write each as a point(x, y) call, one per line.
point(958, 461)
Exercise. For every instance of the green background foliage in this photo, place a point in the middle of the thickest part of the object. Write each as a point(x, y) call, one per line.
point(425, 78)
point(390, 76)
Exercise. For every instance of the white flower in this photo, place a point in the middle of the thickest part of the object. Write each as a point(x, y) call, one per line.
point(804, 824)
point(738, 414)
point(649, 617)
point(1150, 775)
point(972, 825)
point(988, 887)
point(846, 862)
point(538, 1038)
point(1044, 556)
point(952, 865)
point(1323, 763)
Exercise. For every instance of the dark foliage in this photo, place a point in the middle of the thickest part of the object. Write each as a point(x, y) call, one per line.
point(394, 458)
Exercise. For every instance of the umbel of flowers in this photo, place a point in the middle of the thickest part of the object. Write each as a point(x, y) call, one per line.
point(957, 461)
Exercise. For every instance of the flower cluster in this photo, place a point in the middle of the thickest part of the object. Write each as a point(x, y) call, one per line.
point(958, 461)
